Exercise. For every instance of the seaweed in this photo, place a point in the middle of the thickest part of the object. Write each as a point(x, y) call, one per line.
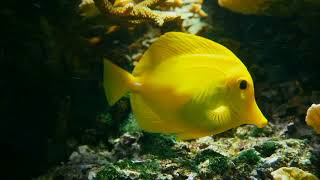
point(218, 164)
point(249, 156)
point(158, 144)
point(267, 148)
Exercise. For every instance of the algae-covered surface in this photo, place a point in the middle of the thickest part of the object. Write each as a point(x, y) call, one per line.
point(57, 123)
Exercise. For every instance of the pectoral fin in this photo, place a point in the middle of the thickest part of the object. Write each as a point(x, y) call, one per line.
point(219, 116)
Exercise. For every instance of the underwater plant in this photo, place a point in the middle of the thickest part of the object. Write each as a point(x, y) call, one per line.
point(188, 86)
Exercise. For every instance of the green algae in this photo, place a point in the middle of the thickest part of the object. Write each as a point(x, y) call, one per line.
point(130, 125)
point(260, 132)
point(267, 148)
point(187, 163)
point(217, 162)
point(105, 118)
point(142, 169)
point(250, 157)
point(158, 144)
point(147, 169)
point(109, 172)
point(206, 163)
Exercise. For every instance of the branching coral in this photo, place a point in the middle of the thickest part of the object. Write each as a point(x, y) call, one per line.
point(313, 117)
point(129, 11)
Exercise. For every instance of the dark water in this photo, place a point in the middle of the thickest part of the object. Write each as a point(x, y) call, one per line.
point(50, 83)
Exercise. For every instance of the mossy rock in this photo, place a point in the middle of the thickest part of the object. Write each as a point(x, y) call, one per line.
point(260, 132)
point(158, 144)
point(125, 169)
point(267, 148)
point(250, 157)
point(109, 172)
point(147, 169)
point(218, 164)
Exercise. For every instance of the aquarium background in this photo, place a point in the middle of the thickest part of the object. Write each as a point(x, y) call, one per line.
point(53, 107)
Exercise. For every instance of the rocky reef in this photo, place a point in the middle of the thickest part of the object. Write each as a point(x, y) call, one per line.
point(232, 155)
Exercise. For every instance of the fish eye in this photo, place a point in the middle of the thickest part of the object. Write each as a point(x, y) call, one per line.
point(243, 84)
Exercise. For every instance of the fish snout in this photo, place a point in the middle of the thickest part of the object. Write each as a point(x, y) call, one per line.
point(257, 118)
point(262, 123)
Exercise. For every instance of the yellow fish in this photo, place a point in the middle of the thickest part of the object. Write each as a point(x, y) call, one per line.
point(246, 6)
point(186, 85)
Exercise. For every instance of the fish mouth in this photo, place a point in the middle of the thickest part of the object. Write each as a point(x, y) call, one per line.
point(262, 123)
point(257, 118)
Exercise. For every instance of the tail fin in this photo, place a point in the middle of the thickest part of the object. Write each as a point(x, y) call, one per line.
point(115, 81)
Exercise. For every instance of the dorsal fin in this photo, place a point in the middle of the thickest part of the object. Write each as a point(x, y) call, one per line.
point(175, 44)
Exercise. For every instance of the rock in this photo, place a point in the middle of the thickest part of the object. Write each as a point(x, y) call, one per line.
point(292, 173)
point(272, 161)
point(313, 117)
point(126, 145)
point(164, 177)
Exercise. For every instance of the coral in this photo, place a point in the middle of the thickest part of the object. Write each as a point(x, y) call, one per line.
point(196, 8)
point(128, 11)
point(313, 117)
point(292, 173)
point(172, 3)
point(88, 9)
point(192, 15)
point(188, 14)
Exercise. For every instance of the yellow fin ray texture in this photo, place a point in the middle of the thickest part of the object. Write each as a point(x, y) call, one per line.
point(175, 44)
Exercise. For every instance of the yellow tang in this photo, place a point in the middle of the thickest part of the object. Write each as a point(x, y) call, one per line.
point(246, 6)
point(186, 85)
